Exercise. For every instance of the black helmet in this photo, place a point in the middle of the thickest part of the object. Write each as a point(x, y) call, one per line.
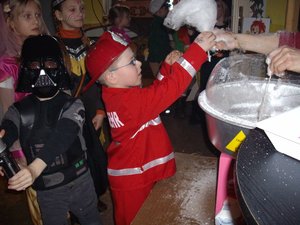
point(42, 69)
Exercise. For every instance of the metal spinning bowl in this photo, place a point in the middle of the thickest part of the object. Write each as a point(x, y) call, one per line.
point(235, 93)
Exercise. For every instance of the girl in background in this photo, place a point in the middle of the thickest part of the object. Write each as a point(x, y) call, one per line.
point(119, 19)
point(18, 20)
point(68, 18)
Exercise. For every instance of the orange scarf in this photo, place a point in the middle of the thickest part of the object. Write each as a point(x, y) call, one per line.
point(69, 33)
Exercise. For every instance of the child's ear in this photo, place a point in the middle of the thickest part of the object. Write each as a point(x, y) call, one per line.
point(58, 15)
point(11, 24)
point(110, 77)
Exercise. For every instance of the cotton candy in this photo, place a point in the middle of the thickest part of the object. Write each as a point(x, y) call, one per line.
point(201, 14)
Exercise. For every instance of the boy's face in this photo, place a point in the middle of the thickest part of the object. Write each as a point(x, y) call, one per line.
point(127, 70)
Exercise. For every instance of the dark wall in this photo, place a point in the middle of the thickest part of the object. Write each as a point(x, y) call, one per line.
point(47, 14)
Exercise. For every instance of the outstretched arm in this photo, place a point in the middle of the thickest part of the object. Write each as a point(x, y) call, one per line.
point(261, 43)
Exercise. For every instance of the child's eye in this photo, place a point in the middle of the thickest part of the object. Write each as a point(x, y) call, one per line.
point(26, 16)
point(72, 9)
point(38, 15)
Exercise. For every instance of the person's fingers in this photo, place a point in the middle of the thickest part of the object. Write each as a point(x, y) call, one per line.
point(97, 125)
point(210, 36)
point(20, 186)
point(274, 53)
point(281, 60)
point(221, 45)
point(21, 180)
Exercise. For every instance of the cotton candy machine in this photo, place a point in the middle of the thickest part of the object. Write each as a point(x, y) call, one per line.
point(238, 95)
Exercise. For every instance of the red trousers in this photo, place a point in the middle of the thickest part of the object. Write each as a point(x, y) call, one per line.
point(128, 203)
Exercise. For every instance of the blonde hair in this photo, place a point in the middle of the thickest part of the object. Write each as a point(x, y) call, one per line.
point(15, 9)
point(11, 10)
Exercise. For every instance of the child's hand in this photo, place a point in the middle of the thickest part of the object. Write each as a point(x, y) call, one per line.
point(21, 180)
point(206, 40)
point(26, 176)
point(98, 121)
point(173, 57)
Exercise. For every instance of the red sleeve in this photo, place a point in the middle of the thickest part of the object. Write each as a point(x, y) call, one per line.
point(154, 99)
point(291, 39)
point(195, 55)
point(195, 49)
point(163, 71)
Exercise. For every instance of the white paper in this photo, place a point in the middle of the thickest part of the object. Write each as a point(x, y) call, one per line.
point(284, 132)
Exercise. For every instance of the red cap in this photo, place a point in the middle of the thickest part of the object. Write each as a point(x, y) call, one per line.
point(106, 50)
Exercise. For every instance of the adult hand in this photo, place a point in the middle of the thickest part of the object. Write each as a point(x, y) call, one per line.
point(284, 58)
point(225, 40)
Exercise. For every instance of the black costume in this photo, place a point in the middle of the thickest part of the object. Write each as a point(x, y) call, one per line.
point(50, 125)
point(50, 133)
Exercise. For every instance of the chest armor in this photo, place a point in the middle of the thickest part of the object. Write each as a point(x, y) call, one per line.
point(38, 121)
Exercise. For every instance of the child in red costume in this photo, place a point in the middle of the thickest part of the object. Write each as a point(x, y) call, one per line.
point(140, 153)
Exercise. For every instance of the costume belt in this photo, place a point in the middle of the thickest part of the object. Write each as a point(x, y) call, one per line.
point(142, 169)
point(62, 177)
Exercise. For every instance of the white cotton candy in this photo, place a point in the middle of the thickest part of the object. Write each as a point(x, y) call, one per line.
point(201, 14)
point(269, 71)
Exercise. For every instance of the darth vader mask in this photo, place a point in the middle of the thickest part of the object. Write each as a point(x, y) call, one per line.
point(42, 71)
